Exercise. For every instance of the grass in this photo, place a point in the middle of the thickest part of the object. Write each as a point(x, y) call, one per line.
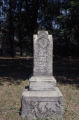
point(10, 101)
point(11, 89)
point(71, 101)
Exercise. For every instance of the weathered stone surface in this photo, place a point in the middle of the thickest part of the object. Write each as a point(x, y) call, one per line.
point(42, 104)
point(42, 83)
point(43, 99)
point(43, 47)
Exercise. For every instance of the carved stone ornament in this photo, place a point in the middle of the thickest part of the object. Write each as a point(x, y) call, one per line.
point(43, 42)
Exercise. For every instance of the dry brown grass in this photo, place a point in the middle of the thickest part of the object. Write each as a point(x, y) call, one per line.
point(12, 82)
point(71, 101)
point(10, 101)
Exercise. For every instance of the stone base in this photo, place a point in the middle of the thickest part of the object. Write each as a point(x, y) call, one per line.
point(42, 104)
point(42, 83)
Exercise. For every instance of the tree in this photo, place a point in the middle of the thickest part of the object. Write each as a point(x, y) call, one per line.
point(11, 29)
point(25, 17)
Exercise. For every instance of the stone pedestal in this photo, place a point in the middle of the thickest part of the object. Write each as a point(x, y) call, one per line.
point(42, 104)
point(43, 99)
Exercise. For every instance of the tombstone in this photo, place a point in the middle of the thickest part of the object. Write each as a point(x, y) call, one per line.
point(43, 99)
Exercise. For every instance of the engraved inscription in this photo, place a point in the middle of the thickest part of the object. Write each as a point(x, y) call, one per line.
point(42, 54)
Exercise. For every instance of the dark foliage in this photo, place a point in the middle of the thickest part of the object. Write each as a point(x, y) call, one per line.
point(20, 19)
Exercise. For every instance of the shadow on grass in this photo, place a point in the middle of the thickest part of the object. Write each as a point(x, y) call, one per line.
point(67, 71)
point(16, 70)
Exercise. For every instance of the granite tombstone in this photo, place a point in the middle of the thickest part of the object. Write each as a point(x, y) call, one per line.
point(43, 99)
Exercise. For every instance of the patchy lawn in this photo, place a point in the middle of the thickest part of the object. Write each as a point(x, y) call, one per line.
point(14, 76)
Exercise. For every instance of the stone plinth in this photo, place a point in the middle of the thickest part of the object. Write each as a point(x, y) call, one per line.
point(43, 99)
point(42, 104)
point(42, 83)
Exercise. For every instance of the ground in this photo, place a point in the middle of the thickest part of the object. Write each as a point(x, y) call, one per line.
point(14, 75)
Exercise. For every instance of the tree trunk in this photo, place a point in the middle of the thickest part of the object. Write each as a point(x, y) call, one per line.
point(20, 28)
point(11, 31)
